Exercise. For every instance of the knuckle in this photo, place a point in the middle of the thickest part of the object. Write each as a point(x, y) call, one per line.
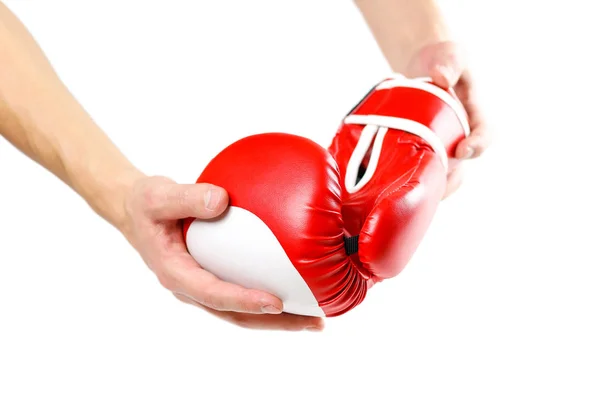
point(248, 303)
point(167, 281)
point(213, 300)
point(182, 196)
point(246, 306)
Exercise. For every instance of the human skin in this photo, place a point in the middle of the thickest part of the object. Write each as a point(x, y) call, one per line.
point(415, 40)
point(41, 118)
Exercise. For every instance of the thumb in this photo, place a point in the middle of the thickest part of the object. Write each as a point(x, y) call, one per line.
point(445, 63)
point(445, 75)
point(177, 201)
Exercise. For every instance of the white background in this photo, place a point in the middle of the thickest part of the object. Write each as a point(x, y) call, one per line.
point(500, 302)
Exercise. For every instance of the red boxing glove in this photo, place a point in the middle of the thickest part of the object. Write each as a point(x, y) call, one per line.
point(283, 232)
point(302, 231)
point(394, 150)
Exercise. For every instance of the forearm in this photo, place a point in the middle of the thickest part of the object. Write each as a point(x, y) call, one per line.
point(41, 118)
point(402, 27)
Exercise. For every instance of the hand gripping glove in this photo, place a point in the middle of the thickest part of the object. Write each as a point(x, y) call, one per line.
point(293, 225)
point(394, 150)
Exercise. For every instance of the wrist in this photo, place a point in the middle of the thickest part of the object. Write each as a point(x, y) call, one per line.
point(402, 28)
point(117, 209)
point(108, 195)
point(410, 59)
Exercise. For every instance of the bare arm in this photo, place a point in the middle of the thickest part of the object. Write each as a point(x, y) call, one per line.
point(403, 27)
point(41, 118)
point(415, 40)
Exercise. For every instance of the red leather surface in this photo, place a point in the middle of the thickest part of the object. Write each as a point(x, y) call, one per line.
point(296, 188)
point(416, 105)
point(393, 211)
point(292, 185)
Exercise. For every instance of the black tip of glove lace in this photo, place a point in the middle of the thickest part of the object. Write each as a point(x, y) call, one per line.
point(363, 99)
point(351, 245)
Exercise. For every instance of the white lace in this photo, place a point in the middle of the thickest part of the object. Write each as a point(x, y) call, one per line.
point(376, 127)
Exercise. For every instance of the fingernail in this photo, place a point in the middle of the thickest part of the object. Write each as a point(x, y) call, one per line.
point(468, 153)
point(212, 198)
point(270, 309)
point(447, 73)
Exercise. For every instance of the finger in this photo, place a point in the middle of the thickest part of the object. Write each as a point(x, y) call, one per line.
point(445, 63)
point(474, 145)
point(176, 201)
point(190, 279)
point(454, 179)
point(444, 75)
point(286, 322)
point(479, 139)
point(282, 322)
